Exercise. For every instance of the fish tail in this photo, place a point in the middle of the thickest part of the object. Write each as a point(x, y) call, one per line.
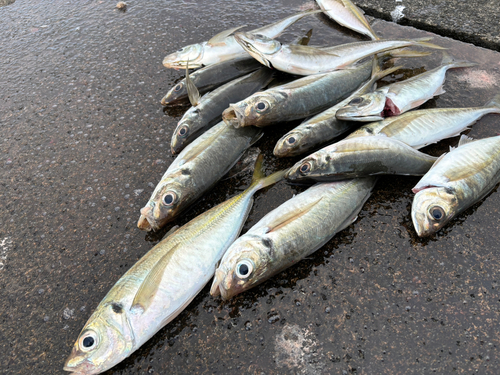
point(424, 43)
point(259, 180)
point(494, 103)
point(454, 63)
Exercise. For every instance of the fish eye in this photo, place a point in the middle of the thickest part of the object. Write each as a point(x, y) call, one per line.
point(291, 140)
point(182, 49)
point(244, 268)
point(304, 168)
point(356, 101)
point(88, 341)
point(262, 106)
point(437, 213)
point(169, 198)
point(178, 87)
point(183, 131)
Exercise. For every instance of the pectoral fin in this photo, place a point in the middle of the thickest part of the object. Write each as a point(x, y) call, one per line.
point(291, 216)
point(151, 283)
point(193, 93)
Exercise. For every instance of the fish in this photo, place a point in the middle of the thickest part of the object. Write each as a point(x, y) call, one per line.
point(210, 77)
point(161, 284)
point(195, 170)
point(223, 46)
point(298, 99)
point(289, 233)
point(400, 97)
point(456, 181)
point(324, 126)
point(207, 110)
point(423, 127)
point(309, 60)
point(347, 14)
point(361, 157)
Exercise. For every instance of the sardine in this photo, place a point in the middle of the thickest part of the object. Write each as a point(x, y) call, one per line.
point(209, 108)
point(307, 60)
point(298, 99)
point(289, 233)
point(195, 170)
point(457, 180)
point(347, 14)
point(423, 127)
point(223, 46)
point(399, 97)
point(361, 157)
point(325, 126)
point(160, 285)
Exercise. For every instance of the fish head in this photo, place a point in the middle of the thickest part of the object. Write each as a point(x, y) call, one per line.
point(432, 209)
point(183, 131)
point(368, 107)
point(291, 144)
point(192, 54)
point(258, 46)
point(241, 268)
point(165, 203)
point(258, 110)
point(175, 94)
point(102, 343)
point(306, 168)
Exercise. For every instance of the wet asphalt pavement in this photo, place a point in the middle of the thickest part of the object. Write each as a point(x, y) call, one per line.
point(84, 141)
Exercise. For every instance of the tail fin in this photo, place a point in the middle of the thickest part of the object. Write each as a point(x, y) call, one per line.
point(494, 103)
point(259, 181)
point(424, 42)
point(453, 63)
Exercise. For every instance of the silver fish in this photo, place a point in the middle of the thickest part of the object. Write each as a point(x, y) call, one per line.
point(209, 108)
point(298, 99)
point(223, 46)
point(211, 77)
point(307, 60)
point(160, 285)
point(360, 157)
point(197, 168)
point(457, 180)
point(347, 14)
point(289, 233)
point(399, 97)
point(325, 126)
point(421, 128)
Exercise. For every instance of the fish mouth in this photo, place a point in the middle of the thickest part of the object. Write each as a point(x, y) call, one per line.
point(234, 116)
point(221, 285)
point(177, 65)
point(79, 366)
point(164, 101)
point(146, 222)
point(345, 115)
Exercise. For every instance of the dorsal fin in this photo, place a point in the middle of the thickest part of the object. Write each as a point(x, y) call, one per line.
point(220, 37)
point(193, 93)
point(151, 283)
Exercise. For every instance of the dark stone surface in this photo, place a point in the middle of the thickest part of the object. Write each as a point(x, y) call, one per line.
point(470, 21)
point(84, 141)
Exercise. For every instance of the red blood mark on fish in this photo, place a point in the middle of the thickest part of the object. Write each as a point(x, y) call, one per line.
point(390, 109)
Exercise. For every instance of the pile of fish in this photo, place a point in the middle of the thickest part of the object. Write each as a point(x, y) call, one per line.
point(237, 92)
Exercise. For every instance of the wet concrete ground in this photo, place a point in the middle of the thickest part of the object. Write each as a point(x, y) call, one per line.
point(84, 142)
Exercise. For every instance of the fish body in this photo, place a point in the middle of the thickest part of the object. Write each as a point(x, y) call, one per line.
point(308, 60)
point(210, 77)
point(160, 285)
point(289, 233)
point(421, 128)
point(400, 97)
point(457, 180)
point(298, 99)
point(209, 109)
point(361, 157)
point(347, 14)
point(324, 126)
point(195, 170)
point(223, 46)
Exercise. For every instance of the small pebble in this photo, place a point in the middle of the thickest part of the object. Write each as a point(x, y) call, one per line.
point(121, 5)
